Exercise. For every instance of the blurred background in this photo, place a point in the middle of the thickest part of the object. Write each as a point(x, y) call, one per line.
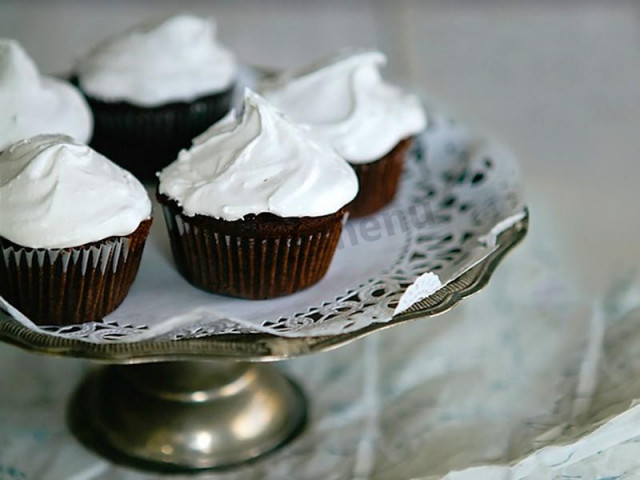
point(557, 80)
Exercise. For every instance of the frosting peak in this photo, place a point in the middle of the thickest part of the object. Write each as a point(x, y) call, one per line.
point(346, 103)
point(258, 162)
point(16, 68)
point(177, 59)
point(57, 193)
point(31, 104)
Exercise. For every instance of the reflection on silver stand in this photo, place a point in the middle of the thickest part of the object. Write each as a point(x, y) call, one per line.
point(187, 415)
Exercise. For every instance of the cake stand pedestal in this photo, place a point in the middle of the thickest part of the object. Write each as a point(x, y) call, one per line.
point(194, 404)
point(187, 415)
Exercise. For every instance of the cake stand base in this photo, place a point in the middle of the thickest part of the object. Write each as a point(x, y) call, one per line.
point(186, 415)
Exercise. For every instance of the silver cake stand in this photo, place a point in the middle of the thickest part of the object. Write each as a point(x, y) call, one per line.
point(212, 402)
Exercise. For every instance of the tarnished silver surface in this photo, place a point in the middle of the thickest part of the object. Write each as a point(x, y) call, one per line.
point(186, 415)
point(258, 347)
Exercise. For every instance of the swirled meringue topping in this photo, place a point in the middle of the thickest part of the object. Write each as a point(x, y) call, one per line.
point(175, 60)
point(56, 193)
point(347, 103)
point(31, 104)
point(258, 162)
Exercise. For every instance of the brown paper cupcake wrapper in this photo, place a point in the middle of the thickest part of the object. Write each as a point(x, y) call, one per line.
point(66, 286)
point(144, 140)
point(261, 257)
point(378, 181)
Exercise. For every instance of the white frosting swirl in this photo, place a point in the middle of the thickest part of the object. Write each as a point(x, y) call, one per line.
point(57, 193)
point(175, 60)
point(258, 162)
point(348, 104)
point(31, 104)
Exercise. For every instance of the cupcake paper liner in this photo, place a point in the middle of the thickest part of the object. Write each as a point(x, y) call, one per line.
point(64, 286)
point(378, 181)
point(262, 256)
point(144, 140)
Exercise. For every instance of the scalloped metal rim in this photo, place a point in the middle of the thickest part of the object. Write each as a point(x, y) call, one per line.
point(259, 347)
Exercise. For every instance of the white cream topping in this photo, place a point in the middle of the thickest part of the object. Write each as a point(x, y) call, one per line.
point(348, 104)
point(258, 162)
point(57, 193)
point(31, 104)
point(175, 60)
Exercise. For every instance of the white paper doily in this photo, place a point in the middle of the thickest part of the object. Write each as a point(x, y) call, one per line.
point(458, 192)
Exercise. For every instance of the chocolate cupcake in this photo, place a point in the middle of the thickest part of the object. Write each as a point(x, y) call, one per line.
point(154, 88)
point(33, 104)
point(345, 102)
point(72, 233)
point(255, 208)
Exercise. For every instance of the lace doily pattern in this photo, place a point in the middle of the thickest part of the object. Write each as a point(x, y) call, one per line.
point(98, 331)
point(456, 188)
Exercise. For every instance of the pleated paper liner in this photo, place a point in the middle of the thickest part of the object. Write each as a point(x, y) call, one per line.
point(64, 286)
point(144, 140)
point(378, 181)
point(261, 256)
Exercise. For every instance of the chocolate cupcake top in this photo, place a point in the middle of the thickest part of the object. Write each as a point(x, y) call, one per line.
point(32, 104)
point(346, 103)
point(177, 59)
point(258, 162)
point(56, 193)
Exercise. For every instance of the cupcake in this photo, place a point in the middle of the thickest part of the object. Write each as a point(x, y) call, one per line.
point(72, 232)
point(370, 123)
point(33, 104)
point(255, 207)
point(154, 88)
